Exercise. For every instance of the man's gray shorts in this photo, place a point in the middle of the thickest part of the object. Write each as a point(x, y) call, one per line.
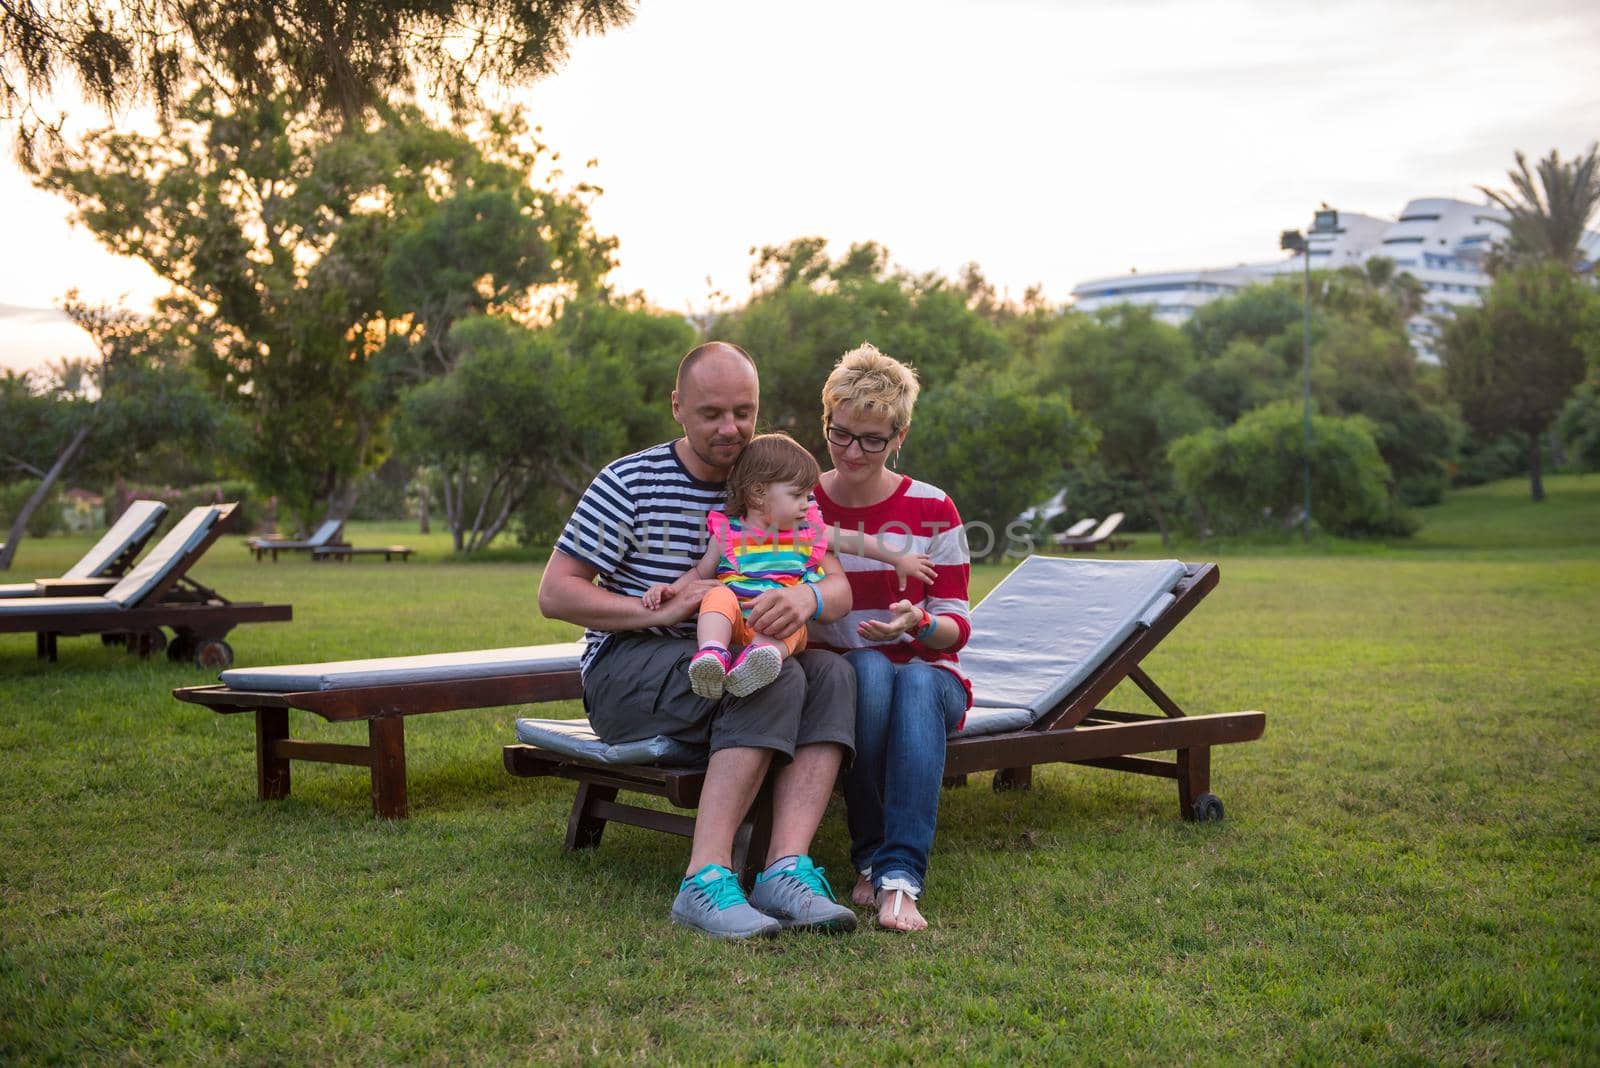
point(639, 688)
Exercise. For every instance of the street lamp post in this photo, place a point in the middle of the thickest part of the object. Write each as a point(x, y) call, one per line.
point(1326, 222)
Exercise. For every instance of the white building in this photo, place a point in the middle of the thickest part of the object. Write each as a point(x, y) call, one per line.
point(1441, 242)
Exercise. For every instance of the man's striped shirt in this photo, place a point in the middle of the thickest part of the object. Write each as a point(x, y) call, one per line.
point(641, 521)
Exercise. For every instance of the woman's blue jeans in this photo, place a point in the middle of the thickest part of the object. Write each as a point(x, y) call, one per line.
point(903, 712)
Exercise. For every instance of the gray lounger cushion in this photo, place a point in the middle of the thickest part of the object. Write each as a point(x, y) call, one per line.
point(403, 670)
point(994, 721)
point(133, 525)
point(1043, 630)
point(1051, 622)
point(25, 606)
point(189, 532)
point(573, 738)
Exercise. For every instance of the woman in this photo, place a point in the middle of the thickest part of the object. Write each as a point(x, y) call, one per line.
point(902, 644)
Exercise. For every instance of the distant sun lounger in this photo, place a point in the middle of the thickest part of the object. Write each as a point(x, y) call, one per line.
point(157, 593)
point(1101, 535)
point(105, 562)
point(325, 535)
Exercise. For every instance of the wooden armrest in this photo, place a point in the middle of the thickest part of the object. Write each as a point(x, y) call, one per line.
point(77, 587)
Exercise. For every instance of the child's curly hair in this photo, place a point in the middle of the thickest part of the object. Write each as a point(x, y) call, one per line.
point(767, 459)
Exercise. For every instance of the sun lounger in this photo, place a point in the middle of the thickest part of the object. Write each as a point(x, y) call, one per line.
point(1049, 643)
point(157, 593)
point(327, 534)
point(1101, 535)
point(1078, 529)
point(382, 692)
point(105, 562)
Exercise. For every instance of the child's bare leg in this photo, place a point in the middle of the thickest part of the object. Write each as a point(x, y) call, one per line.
point(714, 629)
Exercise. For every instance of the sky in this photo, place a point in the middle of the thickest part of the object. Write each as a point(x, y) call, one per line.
point(1048, 142)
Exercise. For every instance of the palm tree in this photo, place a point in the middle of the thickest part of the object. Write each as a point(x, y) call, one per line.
point(1549, 215)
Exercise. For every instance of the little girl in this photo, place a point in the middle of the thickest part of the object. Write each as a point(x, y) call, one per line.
point(771, 537)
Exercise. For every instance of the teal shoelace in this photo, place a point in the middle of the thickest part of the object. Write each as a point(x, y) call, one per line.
point(814, 877)
point(724, 893)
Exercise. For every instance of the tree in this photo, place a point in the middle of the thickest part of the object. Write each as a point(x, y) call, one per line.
point(339, 60)
point(297, 254)
point(996, 444)
point(527, 410)
point(809, 310)
point(1250, 348)
point(1130, 376)
point(1512, 362)
point(97, 417)
point(1549, 214)
point(1250, 474)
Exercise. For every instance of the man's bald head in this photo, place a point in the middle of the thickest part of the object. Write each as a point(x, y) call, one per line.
point(715, 351)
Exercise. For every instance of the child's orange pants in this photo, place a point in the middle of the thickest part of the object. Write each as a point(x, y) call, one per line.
point(725, 603)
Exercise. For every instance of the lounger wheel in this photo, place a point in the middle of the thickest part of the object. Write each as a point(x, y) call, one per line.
point(212, 653)
point(1207, 808)
point(181, 648)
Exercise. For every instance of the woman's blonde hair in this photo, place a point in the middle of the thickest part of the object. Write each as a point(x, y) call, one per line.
point(769, 458)
point(871, 381)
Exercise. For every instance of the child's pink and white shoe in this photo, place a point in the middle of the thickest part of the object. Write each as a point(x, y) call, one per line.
point(707, 671)
point(757, 666)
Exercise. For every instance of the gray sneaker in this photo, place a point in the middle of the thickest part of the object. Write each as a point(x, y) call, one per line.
point(800, 897)
point(712, 902)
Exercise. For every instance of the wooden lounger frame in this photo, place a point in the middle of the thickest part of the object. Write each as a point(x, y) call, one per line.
point(1076, 731)
point(200, 616)
point(344, 553)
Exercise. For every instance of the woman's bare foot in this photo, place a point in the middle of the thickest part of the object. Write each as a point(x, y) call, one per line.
point(862, 893)
point(897, 911)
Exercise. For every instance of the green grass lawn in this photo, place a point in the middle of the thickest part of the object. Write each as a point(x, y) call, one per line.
point(1408, 871)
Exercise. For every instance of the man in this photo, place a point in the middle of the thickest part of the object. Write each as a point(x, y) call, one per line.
point(642, 521)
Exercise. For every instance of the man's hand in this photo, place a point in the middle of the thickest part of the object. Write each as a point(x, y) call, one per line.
point(779, 613)
point(907, 617)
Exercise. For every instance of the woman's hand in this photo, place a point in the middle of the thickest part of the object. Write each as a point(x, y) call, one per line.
point(906, 618)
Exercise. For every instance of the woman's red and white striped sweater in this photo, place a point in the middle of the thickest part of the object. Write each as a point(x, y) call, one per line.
point(924, 518)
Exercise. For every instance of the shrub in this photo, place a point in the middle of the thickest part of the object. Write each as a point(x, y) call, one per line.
point(180, 499)
point(1579, 426)
point(1490, 460)
point(1094, 491)
point(1251, 475)
point(46, 518)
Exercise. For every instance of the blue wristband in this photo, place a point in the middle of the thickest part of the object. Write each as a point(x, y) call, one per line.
point(927, 632)
point(818, 595)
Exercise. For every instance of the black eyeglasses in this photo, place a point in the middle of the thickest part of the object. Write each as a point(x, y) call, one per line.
point(868, 442)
